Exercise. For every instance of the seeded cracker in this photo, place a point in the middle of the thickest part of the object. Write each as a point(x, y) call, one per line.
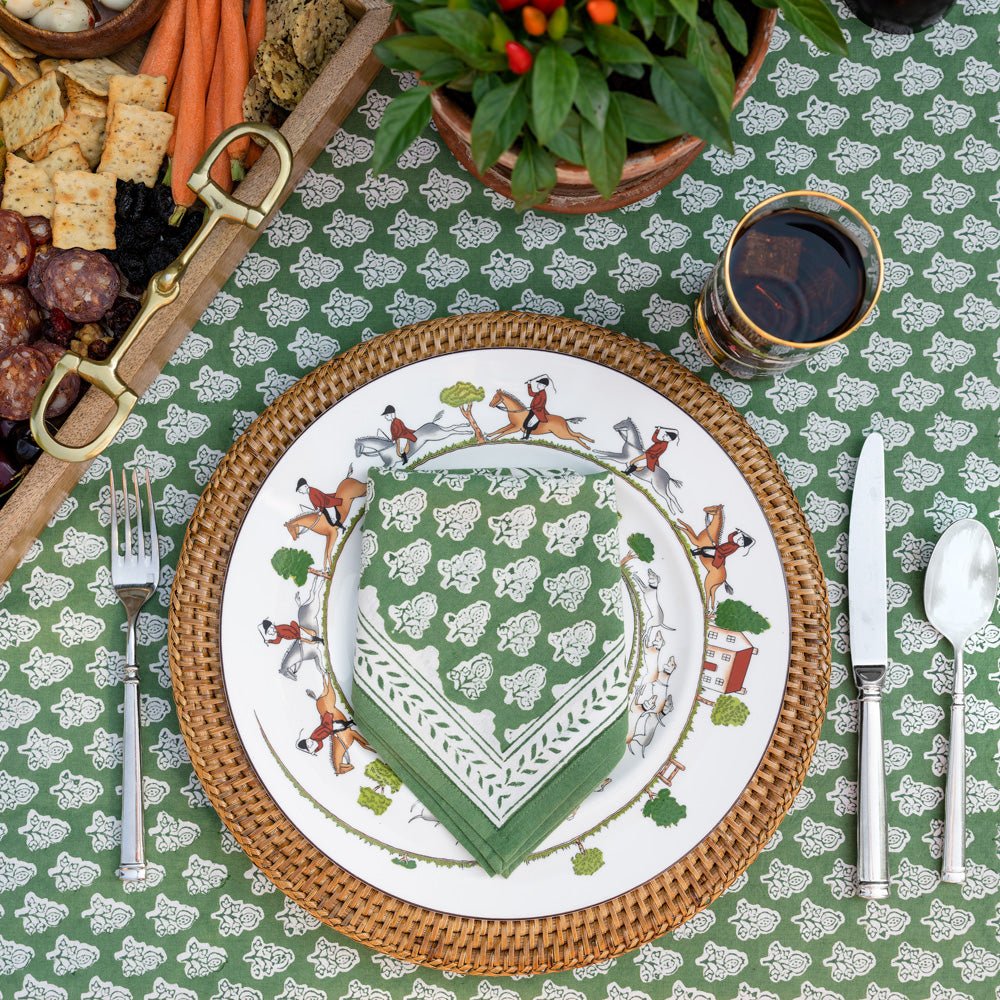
point(37, 148)
point(148, 92)
point(136, 143)
point(92, 74)
point(66, 158)
point(317, 31)
point(31, 111)
point(83, 100)
point(26, 188)
point(86, 131)
point(84, 213)
point(21, 70)
point(14, 48)
point(276, 65)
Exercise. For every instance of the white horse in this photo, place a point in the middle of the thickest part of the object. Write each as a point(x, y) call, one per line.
point(385, 448)
point(631, 454)
point(300, 652)
point(650, 588)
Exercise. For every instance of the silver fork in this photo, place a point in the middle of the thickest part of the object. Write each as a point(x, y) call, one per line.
point(134, 577)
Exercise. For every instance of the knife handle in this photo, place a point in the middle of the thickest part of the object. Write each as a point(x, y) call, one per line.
point(873, 851)
point(953, 850)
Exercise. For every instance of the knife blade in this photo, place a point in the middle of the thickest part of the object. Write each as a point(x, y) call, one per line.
point(869, 631)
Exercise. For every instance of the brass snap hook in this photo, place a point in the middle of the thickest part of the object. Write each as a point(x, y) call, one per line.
point(162, 289)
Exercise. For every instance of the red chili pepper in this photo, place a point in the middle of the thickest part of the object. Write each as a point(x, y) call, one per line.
point(519, 59)
point(534, 21)
point(548, 7)
point(508, 5)
point(602, 11)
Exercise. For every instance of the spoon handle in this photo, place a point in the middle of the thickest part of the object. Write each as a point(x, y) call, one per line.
point(953, 853)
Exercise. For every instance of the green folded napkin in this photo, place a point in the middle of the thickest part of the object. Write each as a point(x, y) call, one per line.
point(490, 670)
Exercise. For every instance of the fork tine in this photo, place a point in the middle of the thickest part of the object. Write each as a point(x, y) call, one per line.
point(138, 515)
point(114, 519)
point(154, 542)
point(128, 517)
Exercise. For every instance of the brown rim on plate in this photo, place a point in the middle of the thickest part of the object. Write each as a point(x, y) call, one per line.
point(378, 919)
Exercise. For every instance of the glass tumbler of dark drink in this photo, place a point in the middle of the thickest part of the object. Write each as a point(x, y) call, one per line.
point(801, 270)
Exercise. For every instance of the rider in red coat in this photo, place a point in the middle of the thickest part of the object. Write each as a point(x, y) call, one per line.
point(720, 552)
point(293, 632)
point(653, 453)
point(401, 435)
point(537, 412)
point(322, 502)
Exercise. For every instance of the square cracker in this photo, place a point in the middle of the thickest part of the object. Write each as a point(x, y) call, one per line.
point(37, 148)
point(83, 100)
point(91, 74)
point(148, 92)
point(84, 211)
point(26, 188)
point(21, 70)
point(136, 143)
point(48, 65)
point(14, 48)
point(65, 158)
point(32, 111)
point(86, 131)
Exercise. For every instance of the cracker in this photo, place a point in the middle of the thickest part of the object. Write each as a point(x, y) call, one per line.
point(26, 188)
point(317, 31)
point(48, 66)
point(84, 210)
point(278, 68)
point(82, 99)
point(148, 92)
point(32, 111)
point(65, 158)
point(91, 74)
point(136, 143)
point(21, 70)
point(14, 48)
point(86, 131)
point(37, 148)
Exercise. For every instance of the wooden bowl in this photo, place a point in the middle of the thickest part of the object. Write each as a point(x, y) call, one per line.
point(109, 36)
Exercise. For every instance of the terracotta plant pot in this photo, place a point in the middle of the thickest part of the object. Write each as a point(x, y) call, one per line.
point(646, 171)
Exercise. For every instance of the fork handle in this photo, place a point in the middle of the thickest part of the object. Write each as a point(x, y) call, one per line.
point(133, 856)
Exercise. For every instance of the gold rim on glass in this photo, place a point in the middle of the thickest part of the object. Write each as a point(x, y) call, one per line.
point(741, 225)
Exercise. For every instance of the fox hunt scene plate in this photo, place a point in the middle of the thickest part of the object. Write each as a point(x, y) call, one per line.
point(709, 619)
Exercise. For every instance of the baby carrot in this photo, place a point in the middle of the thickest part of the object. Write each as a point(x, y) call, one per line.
point(208, 10)
point(163, 54)
point(190, 125)
point(214, 109)
point(256, 27)
point(234, 46)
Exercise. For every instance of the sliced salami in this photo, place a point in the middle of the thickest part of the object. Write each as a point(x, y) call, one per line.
point(17, 249)
point(43, 257)
point(69, 388)
point(40, 229)
point(82, 284)
point(23, 371)
point(20, 317)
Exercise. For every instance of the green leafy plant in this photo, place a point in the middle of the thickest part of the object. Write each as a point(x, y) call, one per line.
point(371, 799)
point(588, 862)
point(582, 81)
point(292, 564)
point(730, 711)
point(663, 809)
point(641, 545)
point(383, 776)
point(462, 395)
point(738, 616)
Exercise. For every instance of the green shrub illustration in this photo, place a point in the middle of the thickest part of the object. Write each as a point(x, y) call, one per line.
point(738, 616)
point(664, 809)
point(730, 711)
point(383, 776)
point(404, 862)
point(292, 564)
point(641, 545)
point(371, 799)
point(588, 862)
point(462, 395)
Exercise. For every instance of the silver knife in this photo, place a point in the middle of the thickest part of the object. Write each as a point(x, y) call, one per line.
point(866, 594)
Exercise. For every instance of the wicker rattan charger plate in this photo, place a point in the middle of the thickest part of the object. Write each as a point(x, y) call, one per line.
point(576, 937)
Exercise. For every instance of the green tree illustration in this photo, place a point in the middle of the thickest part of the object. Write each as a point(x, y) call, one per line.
point(587, 862)
point(730, 711)
point(383, 776)
point(738, 616)
point(639, 547)
point(371, 799)
point(463, 395)
point(292, 564)
point(663, 809)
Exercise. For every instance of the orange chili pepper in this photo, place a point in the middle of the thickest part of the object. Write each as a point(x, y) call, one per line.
point(602, 11)
point(535, 22)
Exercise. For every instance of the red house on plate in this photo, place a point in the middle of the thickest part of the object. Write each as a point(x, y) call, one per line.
point(727, 659)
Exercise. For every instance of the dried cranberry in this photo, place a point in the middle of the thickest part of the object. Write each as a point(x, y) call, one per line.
point(98, 350)
point(59, 329)
point(119, 317)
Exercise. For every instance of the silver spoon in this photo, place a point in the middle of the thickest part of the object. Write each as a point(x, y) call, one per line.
point(960, 592)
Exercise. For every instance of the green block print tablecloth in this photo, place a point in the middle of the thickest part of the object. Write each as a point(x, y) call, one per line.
point(907, 129)
point(491, 671)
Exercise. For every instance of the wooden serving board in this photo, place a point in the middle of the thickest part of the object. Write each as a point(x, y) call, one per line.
point(308, 129)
